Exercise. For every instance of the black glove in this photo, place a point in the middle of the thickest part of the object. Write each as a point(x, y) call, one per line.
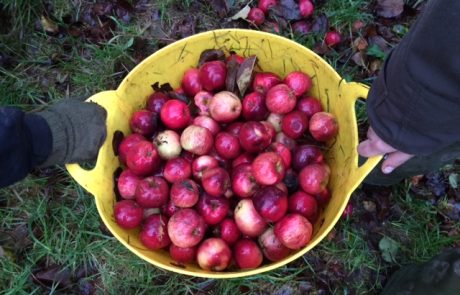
point(78, 130)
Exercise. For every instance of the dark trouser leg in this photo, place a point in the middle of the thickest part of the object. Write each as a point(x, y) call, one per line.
point(415, 166)
point(439, 276)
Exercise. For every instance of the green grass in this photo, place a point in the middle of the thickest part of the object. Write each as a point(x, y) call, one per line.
point(343, 13)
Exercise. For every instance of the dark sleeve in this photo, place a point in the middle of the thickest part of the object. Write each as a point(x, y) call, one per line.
point(25, 142)
point(414, 104)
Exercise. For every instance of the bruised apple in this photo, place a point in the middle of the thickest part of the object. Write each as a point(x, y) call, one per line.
point(314, 178)
point(247, 219)
point(294, 231)
point(214, 254)
point(186, 228)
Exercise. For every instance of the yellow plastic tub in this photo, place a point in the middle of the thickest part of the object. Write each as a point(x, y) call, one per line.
point(275, 54)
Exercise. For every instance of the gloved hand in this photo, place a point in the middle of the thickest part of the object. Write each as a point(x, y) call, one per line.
point(78, 130)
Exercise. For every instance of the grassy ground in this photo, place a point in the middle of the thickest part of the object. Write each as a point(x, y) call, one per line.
point(52, 240)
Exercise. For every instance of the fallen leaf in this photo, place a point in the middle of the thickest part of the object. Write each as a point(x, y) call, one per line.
point(48, 25)
point(220, 7)
point(360, 44)
point(436, 184)
point(210, 55)
point(245, 73)
point(360, 59)
point(243, 13)
point(369, 206)
point(453, 180)
point(52, 275)
point(375, 66)
point(389, 249)
point(287, 9)
point(389, 8)
point(230, 80)
point(380, 42)
point(320, 24)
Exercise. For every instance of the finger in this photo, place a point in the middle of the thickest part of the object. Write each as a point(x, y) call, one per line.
point(394, 160)
point(374, 147)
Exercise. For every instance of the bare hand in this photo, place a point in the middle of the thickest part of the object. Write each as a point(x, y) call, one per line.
point(374, 146)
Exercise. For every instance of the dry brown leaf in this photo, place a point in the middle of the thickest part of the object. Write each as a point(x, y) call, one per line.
point(360, 59)
point(390, 8)
point(360, 44)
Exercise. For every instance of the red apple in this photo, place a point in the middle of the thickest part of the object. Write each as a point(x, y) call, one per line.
point(143, 158)
point(127, 184)
point(227, 145)
point(299, 82)
point(271, 246)
point(201, 164)
point(184, 193)
point(212, 75)
point(265, 5)
point(306, 8)
point(186, 228)
point(202, 100)
point(191, 83)
point(305, 155)
point(289, 142)
point(254, 107)
point(236, 57)
point(177, 169)
point(128, 214)
point(323, 197)
point(294, 124)
point(264, 81)
point(294, 231)
point(152, 192)
point(314, 178)
point(156, 101)
point(254, 137)
point(228, 231)
point(175, 114)
point(323, 126)
point(256, 16)
point(216, 182)
point(309, 106)
point(182, 255)
point(168, 144)
point(225, 107)
point(244, 184)
point(247, 254)
point(126, 144)
point(197, 140)
point(269, 128)
point(243, 159)
point(304, 204)
point(332, 38)
point(247, 219)
point(169, 209)
point(281, 150)
point(207, 122)
point(280, 99)
point(213, 209)
point(153, 233)
point(268, 168)
point(234, 128)
point(144, 122)
point(214, 254)
point(271, 203)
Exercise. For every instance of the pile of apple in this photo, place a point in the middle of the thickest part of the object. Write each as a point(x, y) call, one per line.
point(224, 179)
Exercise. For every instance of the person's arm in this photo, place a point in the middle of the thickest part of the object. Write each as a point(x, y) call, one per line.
point(414, 104)
point(68, 132)
point(25, 142)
